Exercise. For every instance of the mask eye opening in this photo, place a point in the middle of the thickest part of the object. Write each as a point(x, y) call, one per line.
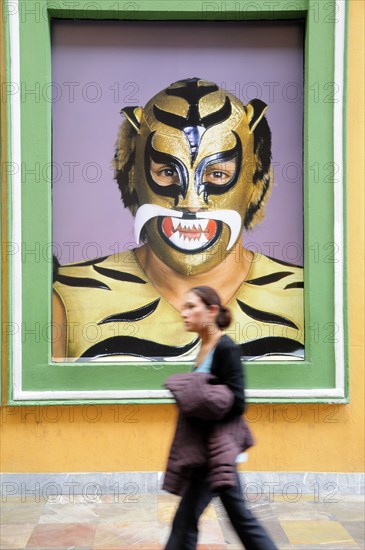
point(173, 189)
point(218, 188)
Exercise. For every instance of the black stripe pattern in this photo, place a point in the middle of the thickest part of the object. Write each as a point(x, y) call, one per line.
point(88, 282)
point(299, 284)
point(136, 347)
point(119, 275)
point(133, 315)
point(271, 278)
point(82, 282)
point(265, 316)
point(271, 345)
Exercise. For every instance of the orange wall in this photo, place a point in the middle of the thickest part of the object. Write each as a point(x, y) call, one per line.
point(126, 438)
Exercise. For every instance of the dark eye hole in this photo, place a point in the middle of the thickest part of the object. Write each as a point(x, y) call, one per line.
point(164, 174)
point(220, 173)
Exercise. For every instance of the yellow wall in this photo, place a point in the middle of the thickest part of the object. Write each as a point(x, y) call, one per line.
point(125, 438)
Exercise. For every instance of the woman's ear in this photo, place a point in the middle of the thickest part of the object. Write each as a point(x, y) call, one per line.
point(214, 309)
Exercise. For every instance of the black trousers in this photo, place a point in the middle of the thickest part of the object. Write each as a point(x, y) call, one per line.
point(184, 533)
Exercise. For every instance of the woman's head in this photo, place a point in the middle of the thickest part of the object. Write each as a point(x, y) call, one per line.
point(203, 308)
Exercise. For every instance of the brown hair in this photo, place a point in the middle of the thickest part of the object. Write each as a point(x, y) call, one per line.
point(211, 298)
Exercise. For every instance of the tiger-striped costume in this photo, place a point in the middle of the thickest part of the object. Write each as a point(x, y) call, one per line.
point(115, 313)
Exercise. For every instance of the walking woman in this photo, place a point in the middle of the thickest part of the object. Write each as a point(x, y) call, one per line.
point(210, 431)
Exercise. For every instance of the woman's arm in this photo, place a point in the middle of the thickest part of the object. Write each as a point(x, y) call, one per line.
point(227, 367)
point(195, 396)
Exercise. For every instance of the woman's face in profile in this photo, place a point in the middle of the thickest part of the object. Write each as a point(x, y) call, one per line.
point(196, 315)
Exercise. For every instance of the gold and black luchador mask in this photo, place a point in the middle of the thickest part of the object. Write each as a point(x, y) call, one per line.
point(193, 167)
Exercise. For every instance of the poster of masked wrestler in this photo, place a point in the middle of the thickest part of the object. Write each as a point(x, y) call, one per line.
point(193, 165)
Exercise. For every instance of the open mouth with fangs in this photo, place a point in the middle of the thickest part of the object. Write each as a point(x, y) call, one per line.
point(189, 235)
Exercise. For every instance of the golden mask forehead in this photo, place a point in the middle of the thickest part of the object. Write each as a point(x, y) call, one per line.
point(174, 144)
point(180, 100)
point(214, 113)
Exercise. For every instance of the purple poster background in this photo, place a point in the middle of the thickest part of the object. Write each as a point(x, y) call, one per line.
point(99, 67)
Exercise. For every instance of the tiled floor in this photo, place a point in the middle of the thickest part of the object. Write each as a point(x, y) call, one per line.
point(117, 522)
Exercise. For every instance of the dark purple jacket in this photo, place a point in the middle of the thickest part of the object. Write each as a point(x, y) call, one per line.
point(207, 434)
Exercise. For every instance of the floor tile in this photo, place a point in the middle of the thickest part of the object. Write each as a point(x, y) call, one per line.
point(141, 535)
point(164, 532)
point(14, 537)
point(69, 513)
point(62, 535)
point(301, 511)
point(356, 530)
point(74, 499)
point(212, 547)
point(8, 500)
point(21, 513)
point(257, 497)
point(293, 498)
point(229, 534)
point(166, 511)
point(277, 533)
point(209, 513)
point(326, 546)
point(167, 497)
point(273, 527)
point(115, 513)
point(344, 510)
point(316, 532)
point(210, 532)
point(115, 522)
point(261, 510)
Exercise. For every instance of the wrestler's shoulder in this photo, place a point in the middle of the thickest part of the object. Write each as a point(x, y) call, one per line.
point(272, 271)
point(121, 262)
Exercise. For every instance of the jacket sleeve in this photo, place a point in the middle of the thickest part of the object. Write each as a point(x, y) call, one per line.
point(195, 396)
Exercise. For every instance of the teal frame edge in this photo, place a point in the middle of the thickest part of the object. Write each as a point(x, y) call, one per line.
point(33, 377)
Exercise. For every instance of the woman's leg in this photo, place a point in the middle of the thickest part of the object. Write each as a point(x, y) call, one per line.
point(250, 531)
point(184, 533)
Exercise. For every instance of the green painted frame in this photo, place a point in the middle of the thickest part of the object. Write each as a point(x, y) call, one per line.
point(34, 378)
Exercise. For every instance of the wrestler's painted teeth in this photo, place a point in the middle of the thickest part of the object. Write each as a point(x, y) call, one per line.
point(189, 234)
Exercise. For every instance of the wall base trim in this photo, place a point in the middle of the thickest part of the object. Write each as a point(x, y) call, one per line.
point(323, 486)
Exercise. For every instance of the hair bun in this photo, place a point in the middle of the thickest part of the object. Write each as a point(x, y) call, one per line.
point(224, 317)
